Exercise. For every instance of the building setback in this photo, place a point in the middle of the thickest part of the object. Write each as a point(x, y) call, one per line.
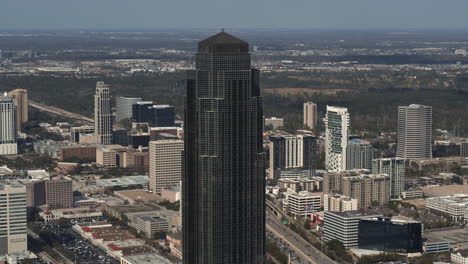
point(223, 184)
point(414, 132)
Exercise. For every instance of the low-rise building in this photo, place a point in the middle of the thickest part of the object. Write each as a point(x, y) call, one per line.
point(172, 194)
point(139, 181)
point(434, 246)
point(454, 205)
point(459, 256)
point(302, 204)
point(151, 258)
point(274, 122)
point(412, 193)
point(344, 226)
point(73, 214)
point(150, 224)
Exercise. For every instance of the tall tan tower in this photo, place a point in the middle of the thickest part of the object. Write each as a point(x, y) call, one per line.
point(103, 114)
point(310, 115)
point(20, 98)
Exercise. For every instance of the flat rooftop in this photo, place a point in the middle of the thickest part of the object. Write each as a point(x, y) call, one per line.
point(147, 259)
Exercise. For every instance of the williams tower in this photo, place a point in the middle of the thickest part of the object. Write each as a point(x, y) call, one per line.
point(223, 181)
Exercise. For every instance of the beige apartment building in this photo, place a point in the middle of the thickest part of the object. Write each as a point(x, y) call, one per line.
point(20, 98)
point(165, 163)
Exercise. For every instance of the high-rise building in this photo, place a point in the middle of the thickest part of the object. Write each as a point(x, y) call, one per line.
point(20, 98)
point(123, 107)
point(359, 154)
point(142, 111)
point(395, 168)
point(154, 115)
point(103, 114)
point(165, 159)
point(310, 115)
point(414, 132)
point(13, 236)
point(293, 151)
point(59, 193)
point(336, 138)
point(390, 234)
point(8, 145)
point(464, 149)
point(223, 182)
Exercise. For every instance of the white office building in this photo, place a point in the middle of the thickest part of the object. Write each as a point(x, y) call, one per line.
point(165, 163)
point(336, 138)
point(103, 114)
point(395, 168)
point(8, 145)
point(13, 236)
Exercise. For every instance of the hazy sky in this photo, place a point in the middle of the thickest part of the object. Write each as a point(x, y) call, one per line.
point(128, 14)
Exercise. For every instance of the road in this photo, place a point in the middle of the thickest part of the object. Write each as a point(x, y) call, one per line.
point(298, 244)
point(59, 257)
point(60, 112)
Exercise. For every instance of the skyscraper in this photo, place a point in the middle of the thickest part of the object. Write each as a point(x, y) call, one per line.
point(223, 181)
point(310, 115)
point(20, 98)
point(395, 168)
point(123, 107)
point(359, 154)
point(414, 132)
point(8, 144)
point(165, 158)
point(13, 237)
point(336, 138)
point(103, 114)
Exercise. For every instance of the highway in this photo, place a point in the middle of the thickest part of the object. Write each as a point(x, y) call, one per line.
point(56, 257)
point(303, 248)
point(60, 112)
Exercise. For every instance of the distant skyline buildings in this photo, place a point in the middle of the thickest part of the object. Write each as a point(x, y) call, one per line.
point(310, 115)
point(414, 132)
point(103, 114)
point(8, 136)
point(395, 168)
point(336, 138)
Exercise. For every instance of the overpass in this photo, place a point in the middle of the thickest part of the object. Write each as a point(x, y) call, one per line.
point(61, 112)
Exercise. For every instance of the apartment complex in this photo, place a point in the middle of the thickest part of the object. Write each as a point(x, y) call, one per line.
point(293, 151)
point(336, 138)
point(339, 203)
point(165, 158)
point(359, 154)
point(414, 132)
point(395, 169)
point(366, 188)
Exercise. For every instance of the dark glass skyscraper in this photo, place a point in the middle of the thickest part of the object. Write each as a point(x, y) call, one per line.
point(223, 182)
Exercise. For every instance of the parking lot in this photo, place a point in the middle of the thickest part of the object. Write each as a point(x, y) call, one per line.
point(458, 236)
point(79, 249)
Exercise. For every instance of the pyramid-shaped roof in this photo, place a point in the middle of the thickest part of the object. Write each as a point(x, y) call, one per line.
point(223, 43)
